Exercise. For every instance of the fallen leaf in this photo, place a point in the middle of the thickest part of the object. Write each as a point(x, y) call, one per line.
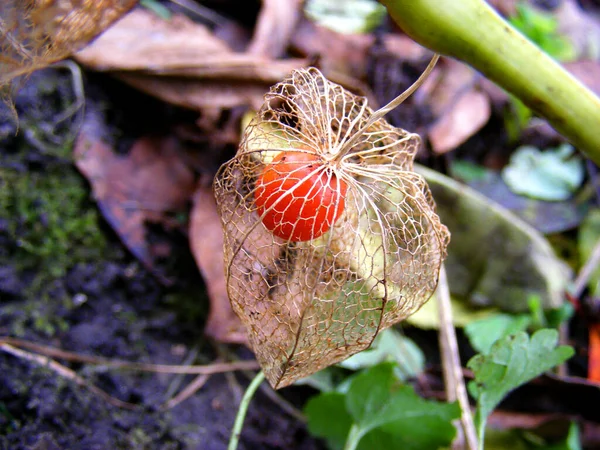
point(142, 40)
point(142, 186)
point(336, 52)
point(546, 217)
point(275, 25)
point(183, 62)
point(586, 71)
point(551, 175)
point(504, 7)
point(349, 16)
point(428, 317)
point(460, 107)
point(403, 47)
point(581, 27)
point(494, 258)
point(198, 94)
point(206, 240)
point(467, 116)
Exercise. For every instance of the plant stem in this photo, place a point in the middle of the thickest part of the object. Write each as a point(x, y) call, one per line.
point(243, 409)
point(453, 378)
point(472, 31)
point(354, 436)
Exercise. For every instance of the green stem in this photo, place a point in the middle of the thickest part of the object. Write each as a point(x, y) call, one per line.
point(354, 437)
point(243, 409)
point(480, 423)
point(472, 31)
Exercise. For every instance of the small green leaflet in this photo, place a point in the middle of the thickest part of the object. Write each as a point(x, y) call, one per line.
point(512, 361)
point(390, 345)
point(378, 412)
point(551, 175)
point(348, 16)
point(483, 333)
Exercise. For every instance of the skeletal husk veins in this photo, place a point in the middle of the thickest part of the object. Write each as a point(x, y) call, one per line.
point(307, 305)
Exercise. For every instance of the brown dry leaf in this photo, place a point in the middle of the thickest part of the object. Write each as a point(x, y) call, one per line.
point(337, 53)
point(588, 72)
point(34, 34)
point(469, 114)
point(504, 7)
point(460, 107)
point(198, 94)
point(404, 48)
point(581, 27)
point(151, 180)
point(144, 41)
point(182, 62)
point(206, 240)
point(276, 23)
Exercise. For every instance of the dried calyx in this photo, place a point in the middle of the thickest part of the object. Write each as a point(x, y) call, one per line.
point(330, 236)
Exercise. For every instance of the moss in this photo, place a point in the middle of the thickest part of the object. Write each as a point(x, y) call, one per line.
point(47, 226)
point(48, 222)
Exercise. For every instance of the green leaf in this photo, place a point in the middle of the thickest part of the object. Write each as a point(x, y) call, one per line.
point(462, 314)
point(589, 235)
point(375, 411)
point(323, 380)
point(542, 28)
point(374, 400)
point(348, 16)
point(328, 418)
point(551, 175)
point(494, 258)
point(409, 435)
point(390, 345)
point(573, 441)
point(468, 171)
point(546, 217)
point(511, 362)
point(484, 333)
point(516, 118)
point(157, 8)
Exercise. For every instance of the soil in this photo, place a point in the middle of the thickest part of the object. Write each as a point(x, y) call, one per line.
point(87, 294)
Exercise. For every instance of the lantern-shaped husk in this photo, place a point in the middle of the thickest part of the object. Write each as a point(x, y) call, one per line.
point(309, 304)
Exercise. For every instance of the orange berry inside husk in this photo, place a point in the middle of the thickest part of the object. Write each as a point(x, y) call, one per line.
point(298, 197)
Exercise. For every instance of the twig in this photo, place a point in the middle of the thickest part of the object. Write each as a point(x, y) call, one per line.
point(65, 372)
point(453, 379)
point(179, 380)
point(186, 392)
point(209, 369)
point(78, 90)
point(586, 271)
point(243, 409)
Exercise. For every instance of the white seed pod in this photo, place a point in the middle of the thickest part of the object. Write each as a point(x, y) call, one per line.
point(313, 291)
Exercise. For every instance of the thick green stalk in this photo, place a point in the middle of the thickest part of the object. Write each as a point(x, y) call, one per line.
point(472, 31)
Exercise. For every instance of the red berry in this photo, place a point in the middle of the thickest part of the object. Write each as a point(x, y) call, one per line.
point(298, 197)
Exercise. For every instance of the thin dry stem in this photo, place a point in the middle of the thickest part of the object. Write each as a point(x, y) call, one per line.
point(453, 376)
point(208, 369)
point(384, 110)
point(586, 271)
point(194, 386)
point(67, 373)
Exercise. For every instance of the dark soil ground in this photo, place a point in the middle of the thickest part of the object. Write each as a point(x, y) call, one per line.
point(67, 281)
